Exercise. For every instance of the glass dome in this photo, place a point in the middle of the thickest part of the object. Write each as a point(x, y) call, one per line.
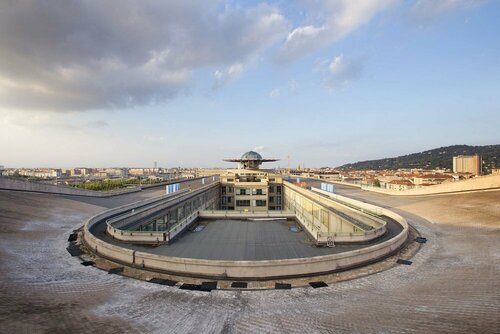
point(251, 155)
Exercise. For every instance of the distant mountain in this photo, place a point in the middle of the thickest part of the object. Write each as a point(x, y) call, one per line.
point(440, 157)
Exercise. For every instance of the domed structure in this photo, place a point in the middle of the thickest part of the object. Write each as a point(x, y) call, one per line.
point(251, 155)
point(251, 160)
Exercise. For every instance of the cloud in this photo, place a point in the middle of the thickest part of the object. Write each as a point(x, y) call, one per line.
point(227, 74)
point(81, 55)
point(342, 17)
point(259, 148)
point(341, 72)
point(293, 86)
point(96, 125)
point(274, 93)
point(425, 12)
point(64, 123)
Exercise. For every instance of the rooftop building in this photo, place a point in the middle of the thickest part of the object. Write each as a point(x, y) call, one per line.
point(250, 160)
point(248, 188)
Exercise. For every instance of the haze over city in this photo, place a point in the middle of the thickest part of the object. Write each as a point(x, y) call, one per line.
point(190, 83)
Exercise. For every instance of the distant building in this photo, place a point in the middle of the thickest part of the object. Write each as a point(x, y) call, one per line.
point(400, 185)
point(334, 176)
point(431, 179)
point(209, 172)
point(40, 173)
point(143, 171)
point(468, 164)
point(117, 172)
point(78, 172)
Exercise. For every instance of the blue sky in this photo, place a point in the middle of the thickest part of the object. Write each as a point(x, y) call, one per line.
point(325, 82)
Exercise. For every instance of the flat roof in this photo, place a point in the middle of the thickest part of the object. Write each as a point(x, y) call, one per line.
point(247, 241)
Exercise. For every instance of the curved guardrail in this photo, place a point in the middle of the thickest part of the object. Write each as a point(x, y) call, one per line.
point(258, 270)
point(372, 226)
point(115, 224)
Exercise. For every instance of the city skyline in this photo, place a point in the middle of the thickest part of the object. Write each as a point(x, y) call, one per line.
point(189, 84)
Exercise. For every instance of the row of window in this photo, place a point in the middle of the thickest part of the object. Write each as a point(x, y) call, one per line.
point(278, 200)
point(246, 202)
point(277, 188)
point(244, 191)
point(227, 190)
point(232, 208)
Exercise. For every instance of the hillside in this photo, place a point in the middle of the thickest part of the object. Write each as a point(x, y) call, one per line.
point(437, 158)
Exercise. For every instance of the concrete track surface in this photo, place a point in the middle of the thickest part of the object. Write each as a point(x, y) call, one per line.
point(453, 285)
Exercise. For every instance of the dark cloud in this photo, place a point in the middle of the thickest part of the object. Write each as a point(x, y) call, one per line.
point(79, 55)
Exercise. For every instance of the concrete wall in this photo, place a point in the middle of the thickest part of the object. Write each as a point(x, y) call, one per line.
point(165, 202)
point(362, 206)
point(7, 183)
point(244, 269)
point(477, 183)
point(231, 214)
point(339, 228)
point(31, 186)
point(137, 236)
point(134, 215)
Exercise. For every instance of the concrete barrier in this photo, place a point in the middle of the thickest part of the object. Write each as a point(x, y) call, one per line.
point(8, 183)
point(346, 201)
point(141, 210)
point(355, 209)
point(486, 182)
point(38, 187)
point(270, 268)
point(256, 270)
point(225, 214)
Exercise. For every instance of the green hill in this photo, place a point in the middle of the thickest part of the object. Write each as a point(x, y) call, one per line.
point(437, 158)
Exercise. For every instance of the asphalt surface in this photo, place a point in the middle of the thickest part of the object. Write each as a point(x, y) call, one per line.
point(245, 240)
point(452, 285)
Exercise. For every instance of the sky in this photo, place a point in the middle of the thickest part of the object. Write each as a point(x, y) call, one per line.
point(102, 83)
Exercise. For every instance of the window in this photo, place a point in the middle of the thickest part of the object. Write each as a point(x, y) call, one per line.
point(245, 202)
point(260, 202)
point(259, 191)
point(243, 191)
point(278, 189)
point(271, 199)
point(230, 199)
point(271, 189)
